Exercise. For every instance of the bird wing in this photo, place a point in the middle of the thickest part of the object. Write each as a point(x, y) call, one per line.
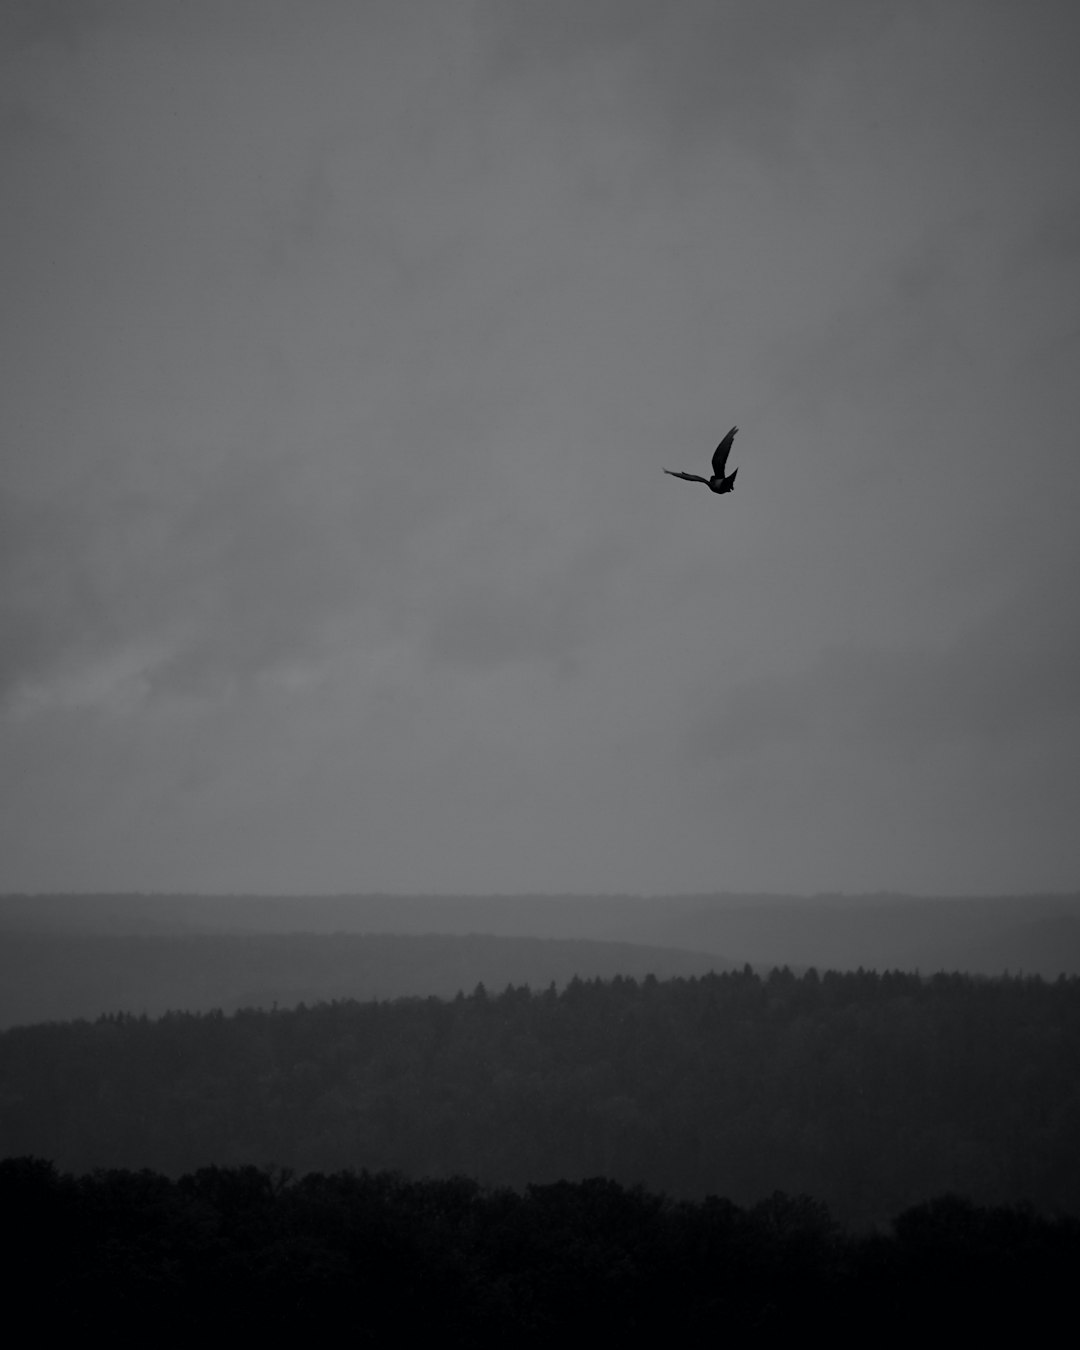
point(721, 453)
point(690, 477)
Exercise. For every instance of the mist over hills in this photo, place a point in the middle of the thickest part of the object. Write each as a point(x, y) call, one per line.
point(70, 956)
point(1036, 934)
point(54, 976)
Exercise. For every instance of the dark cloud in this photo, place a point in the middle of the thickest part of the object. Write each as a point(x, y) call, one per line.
point(1014, 675)
point(73, 25)
point(224, 573)
point(1054, 234)
point(689, 59)
point(62, 23)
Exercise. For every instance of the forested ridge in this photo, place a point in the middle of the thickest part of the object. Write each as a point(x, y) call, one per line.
point(869, 1092)
point(252, 1252)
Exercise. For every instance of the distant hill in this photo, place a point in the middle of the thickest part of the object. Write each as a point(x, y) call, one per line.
point(1046, 946)
point(53, 976)
point(988, 935)
point(1037, 935)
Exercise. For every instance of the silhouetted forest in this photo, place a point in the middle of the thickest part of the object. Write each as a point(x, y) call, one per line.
point(870, 1092)
point(248, 1252)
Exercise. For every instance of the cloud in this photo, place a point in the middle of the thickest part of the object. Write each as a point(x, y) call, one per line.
point(682, 71)
point(546, 614)
point(220, 571)
point(345, 345)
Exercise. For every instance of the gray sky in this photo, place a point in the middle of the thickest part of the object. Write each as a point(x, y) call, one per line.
point(343, 346)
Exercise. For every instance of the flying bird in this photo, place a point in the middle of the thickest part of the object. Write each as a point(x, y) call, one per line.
point(717, 483)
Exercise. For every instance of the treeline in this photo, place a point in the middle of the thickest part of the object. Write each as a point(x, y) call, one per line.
point(868, 1091)
point(251, 1252)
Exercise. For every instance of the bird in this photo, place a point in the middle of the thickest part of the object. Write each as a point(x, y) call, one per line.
point(717, 483)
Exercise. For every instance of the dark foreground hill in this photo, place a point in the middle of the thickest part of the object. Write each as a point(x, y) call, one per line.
point(59, 976)
point(245, 1255)
point(869, 1092)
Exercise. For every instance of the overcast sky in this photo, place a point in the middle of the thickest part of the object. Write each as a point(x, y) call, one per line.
point(343, 347)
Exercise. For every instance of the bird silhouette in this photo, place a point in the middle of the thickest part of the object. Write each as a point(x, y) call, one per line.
point(717, 483)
